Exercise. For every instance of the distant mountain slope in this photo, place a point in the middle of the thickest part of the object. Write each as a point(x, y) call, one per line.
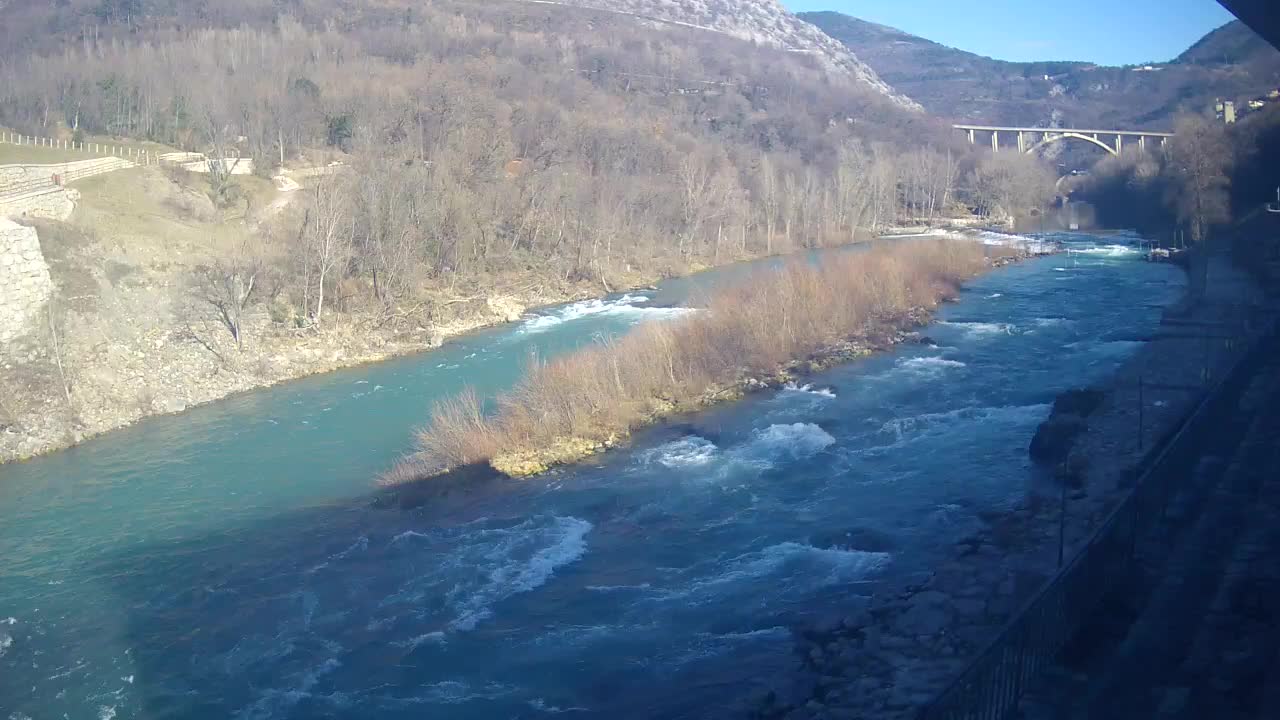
point(763, 21)
point(1231, 44)
point(1231, 62)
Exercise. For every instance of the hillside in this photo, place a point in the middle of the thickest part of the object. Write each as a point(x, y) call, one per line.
point(1233, 44)
point(39, 25)
point(493, 156)
point(1231, 62)
point(760, 21)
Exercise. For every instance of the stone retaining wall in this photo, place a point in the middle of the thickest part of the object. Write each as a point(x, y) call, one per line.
point(25, 285)
point(53, 204)
point(25, 179)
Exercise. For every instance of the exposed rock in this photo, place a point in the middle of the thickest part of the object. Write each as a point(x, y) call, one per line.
point(928, 615)
point(564, 450)
point(1079, 402)
point(169, 405)
point(1054, 438)
point(25, 284)
point(505, 308)
point(765, 22)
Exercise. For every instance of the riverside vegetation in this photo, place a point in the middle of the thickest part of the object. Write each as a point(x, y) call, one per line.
point(757, 333)
point(494, 156)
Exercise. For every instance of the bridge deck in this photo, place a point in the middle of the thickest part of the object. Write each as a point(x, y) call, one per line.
point(1127, 133)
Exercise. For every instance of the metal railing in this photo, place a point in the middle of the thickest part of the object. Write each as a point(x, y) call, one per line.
point(990, 688)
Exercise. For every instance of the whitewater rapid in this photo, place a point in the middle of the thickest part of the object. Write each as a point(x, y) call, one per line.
point(231, 563)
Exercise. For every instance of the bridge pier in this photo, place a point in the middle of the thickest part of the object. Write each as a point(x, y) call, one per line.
point(1030, 139)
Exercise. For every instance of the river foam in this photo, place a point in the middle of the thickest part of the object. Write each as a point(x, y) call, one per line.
point(803, 565)
point(905, 429)
point(808, 389)
point(692, 451)
point(930, 366)
point(1108, 250)
point(510, 573)
point(628, 306)
point(793, 440)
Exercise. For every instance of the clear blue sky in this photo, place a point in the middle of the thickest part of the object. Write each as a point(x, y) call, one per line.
point(1109, 32)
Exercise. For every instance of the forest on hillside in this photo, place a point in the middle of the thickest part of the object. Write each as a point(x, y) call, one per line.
point(493, 138)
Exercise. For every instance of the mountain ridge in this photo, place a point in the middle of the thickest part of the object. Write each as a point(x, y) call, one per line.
point(762, 21)
point(1230, 62)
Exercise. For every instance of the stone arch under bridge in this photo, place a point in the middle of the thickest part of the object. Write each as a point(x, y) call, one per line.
point(1030, 140)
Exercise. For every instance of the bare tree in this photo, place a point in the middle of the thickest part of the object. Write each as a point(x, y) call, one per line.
point(927, 180)
point(853, 187)
point(706, 190)
point(883, 172)
point(1010, 184)
point(326, 238)
point(769, 200)
point(58, 349)
point(226, 286)
point(1200, 156)
point(221, 158)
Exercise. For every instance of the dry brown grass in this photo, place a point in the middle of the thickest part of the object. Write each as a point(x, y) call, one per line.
point(602, 392)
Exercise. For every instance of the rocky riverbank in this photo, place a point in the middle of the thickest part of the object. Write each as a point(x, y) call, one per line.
point(168, 370)
point(889, 655)
point(162, 368)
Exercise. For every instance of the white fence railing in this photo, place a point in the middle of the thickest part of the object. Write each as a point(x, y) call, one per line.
point(138, 156)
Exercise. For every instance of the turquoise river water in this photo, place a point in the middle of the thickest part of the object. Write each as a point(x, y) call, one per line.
point(235, 561)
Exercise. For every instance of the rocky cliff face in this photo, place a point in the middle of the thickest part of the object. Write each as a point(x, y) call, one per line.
point(762, 21)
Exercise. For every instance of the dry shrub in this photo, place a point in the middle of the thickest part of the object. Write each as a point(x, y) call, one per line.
point(753, 326)
point(460, 433)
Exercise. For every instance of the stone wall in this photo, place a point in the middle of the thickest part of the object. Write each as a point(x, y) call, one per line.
point(25, 285)
point(53, 204)
point(25, 179)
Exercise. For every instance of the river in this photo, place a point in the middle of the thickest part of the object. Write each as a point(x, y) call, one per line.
point(230, 562)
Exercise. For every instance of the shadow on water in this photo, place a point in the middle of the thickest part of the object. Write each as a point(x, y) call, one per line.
point(246, 622)
point(352, 609)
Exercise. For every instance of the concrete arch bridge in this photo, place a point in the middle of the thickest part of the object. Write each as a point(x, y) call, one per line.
point(1031, 139)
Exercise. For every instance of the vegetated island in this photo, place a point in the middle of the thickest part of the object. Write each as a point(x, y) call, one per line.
point(759, 333)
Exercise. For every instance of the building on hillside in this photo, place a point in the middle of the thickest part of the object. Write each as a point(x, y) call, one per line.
point(1225, 110)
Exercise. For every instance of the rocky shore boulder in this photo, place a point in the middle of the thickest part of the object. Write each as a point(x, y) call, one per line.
point(1054, 438)
point(1079, 402)
point(505, 308)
